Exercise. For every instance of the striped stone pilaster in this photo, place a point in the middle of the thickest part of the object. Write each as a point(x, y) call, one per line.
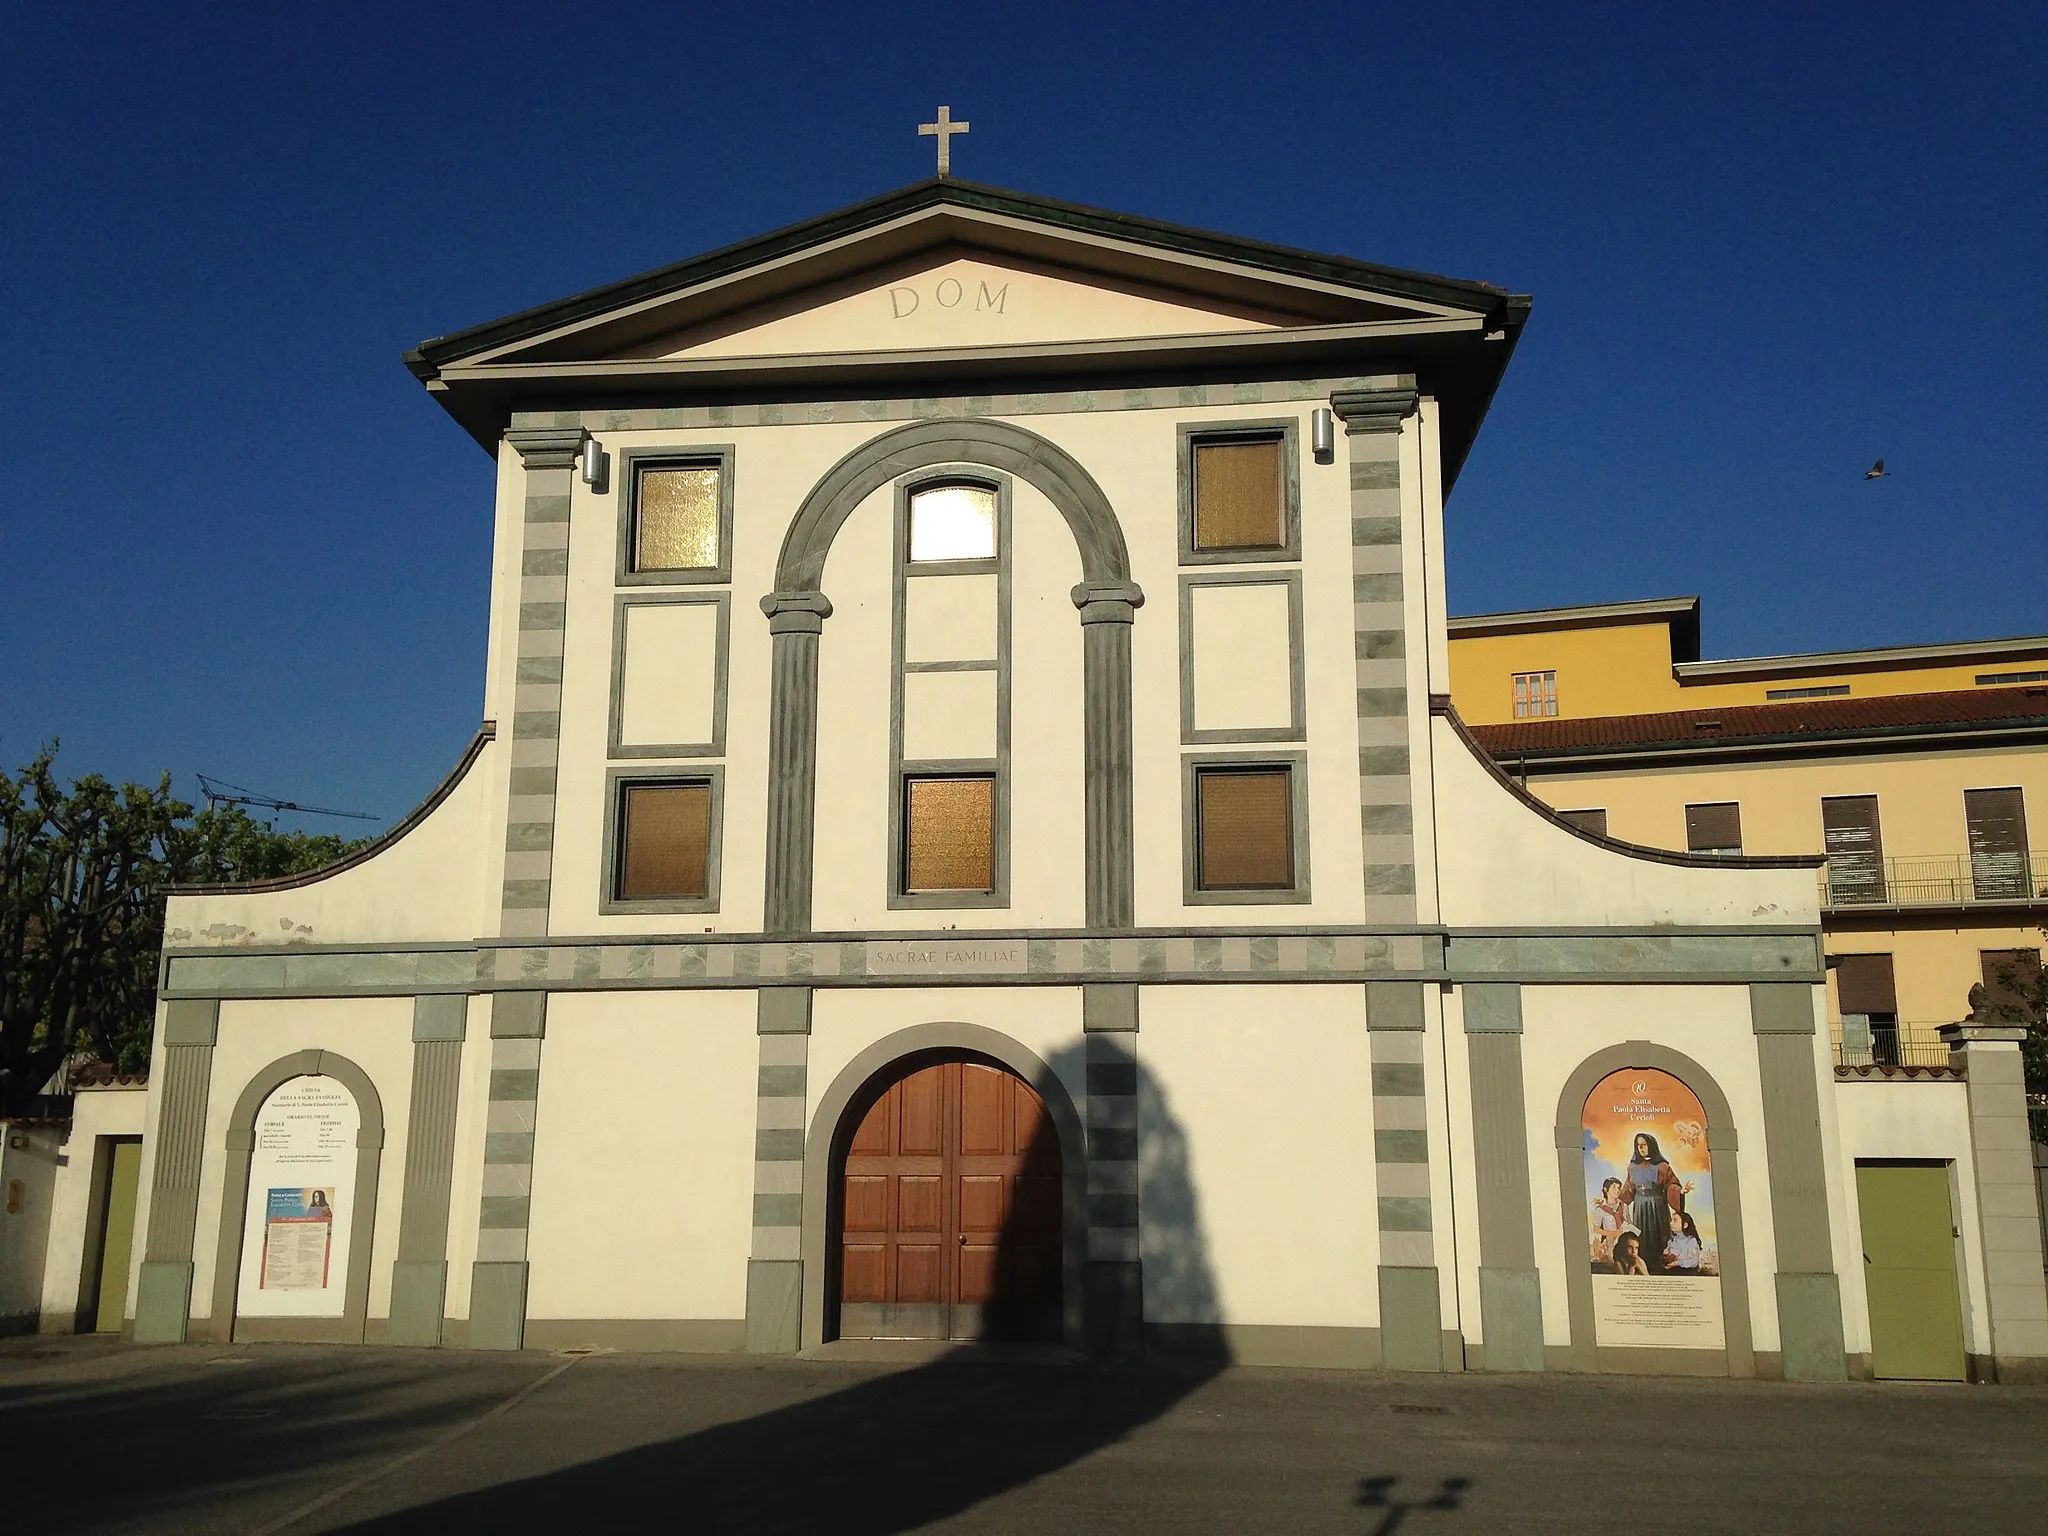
point(1372, 424)
point(163, 1299)
point(549, 454)
point(1411, 1330)
point(497, 1297)
point(2008, 1212)
point(775, 1269)
point(1115, 1298)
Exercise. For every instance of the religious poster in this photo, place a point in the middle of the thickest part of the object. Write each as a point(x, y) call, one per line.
point(302, 1174)
point(298, 1240)
point(1651, 1238)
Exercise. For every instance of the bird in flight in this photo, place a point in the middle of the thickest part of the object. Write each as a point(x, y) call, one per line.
point(1876, 471)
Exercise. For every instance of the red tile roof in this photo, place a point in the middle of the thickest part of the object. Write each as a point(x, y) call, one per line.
point(1803, 720)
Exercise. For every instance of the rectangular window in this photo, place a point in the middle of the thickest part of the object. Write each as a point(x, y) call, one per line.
point(1855, 849)
point(1997, 820)
point(1870, 1009)
point(949, 833)
point(1535, 695)
point(1715, 828)
point(676, 517)
point(664, 842)
point(1240, 495)
point(2013, 985)
point(1244, 829)
point(1995, 679)
point(952, 522)
point(1593, 821)
point(1831, 691)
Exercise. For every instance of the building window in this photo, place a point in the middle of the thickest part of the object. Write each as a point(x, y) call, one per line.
point(1535, 694)
point(1244, 830)
point(1715, 828)
point(951, 523)
point(1997, 824)
point(1996, 679)
point(665, 846)
point(1870, 1009)
point(1830, 691)
point(949, 834)
point(1855, 848)
point(675, 517)
point(1593, 821)
point(1240, 493)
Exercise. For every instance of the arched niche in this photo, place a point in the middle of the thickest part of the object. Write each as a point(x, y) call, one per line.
point(241, 1146)
point(832, 1125)
point(1586, 1353)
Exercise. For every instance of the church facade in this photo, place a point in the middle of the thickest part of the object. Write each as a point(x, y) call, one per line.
point(970, 839)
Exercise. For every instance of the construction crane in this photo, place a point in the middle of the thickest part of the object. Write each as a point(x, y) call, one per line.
point(219, 792)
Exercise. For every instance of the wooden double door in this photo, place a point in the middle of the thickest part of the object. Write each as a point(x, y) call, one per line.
point(949, 1210)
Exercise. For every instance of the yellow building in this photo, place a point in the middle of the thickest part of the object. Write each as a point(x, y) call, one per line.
point(1912, 768)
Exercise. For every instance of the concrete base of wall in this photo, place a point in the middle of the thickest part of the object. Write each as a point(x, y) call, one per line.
point(775, 1306)
point(1810, 1328)
point(1621, 1360)
point(1350, 1349)
point(1511, 1321)
point(2018, 1370)
point(1114, 1292)
point(419, 1290)
point(296, 1330)
point(163, 1301)
point(497, 1305)
point(1411, 1319)
point(13, 1324)
point(646, 1336)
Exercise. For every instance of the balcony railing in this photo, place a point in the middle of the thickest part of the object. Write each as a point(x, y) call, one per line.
point(1889, 1045)
point(1939, 880)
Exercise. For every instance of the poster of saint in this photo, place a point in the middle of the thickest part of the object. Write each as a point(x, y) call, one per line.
point(1651, 1237)
point(298, 1240)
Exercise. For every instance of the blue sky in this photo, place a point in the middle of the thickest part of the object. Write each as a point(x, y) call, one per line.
point(1767, 245)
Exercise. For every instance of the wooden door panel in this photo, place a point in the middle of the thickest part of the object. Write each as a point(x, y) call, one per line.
point(951, 1210)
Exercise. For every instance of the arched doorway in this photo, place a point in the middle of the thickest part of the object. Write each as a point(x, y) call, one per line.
point(947, 1220)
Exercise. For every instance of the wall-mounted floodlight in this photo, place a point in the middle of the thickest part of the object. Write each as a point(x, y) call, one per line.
point(1322, 434)
point(595, 462)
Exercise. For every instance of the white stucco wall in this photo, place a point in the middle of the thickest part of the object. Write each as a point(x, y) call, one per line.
point(96, 1113)
point(643, 1157)
point(1270, 1090)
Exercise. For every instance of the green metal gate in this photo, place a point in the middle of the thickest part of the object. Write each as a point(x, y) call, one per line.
point(1909, 1272)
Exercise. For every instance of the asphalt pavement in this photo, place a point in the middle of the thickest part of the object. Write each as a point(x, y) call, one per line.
point(97, 1435)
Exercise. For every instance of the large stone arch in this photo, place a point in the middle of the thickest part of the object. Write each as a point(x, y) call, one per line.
point(1586, 1355)
point(830, 1127)
point(241, 1145)
point(797, 610)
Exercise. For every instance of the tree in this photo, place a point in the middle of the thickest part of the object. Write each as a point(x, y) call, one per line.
point(2021, 998)
point(82, 872)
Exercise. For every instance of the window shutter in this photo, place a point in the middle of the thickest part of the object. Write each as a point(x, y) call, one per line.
point(1714, 828)
point(1864, 983)
point(2012, 985)
point(1855, 848)
point(1594, 821)
point(1998, 843)
point(1245, 833)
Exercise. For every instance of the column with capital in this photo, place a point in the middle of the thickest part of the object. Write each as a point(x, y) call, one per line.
point(2008, 1209)
point(1107, 612)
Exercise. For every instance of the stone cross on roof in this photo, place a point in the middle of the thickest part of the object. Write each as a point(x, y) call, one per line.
point(943, 130)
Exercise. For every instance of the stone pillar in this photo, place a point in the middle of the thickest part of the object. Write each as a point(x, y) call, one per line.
point(1510, 1290)
point(497, 1290)
point(1386, 797)
point(1107, 612)
point(2008, 1212)
point(549, 454)
point(163, 1294)
point(775, 1265)
point(1411, 1308)
point(419, 1275)
point(1809, 1293)
point(1115, 1281)
point(796, 620)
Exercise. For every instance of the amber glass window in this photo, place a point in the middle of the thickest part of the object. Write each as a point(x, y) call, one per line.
point(1240, 495)
point(952, 522)
point(949, 834)
point(664, 841)
point(1244, 829)
point(675, 517)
